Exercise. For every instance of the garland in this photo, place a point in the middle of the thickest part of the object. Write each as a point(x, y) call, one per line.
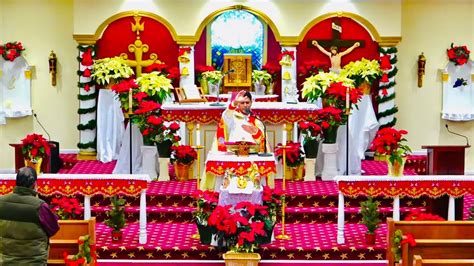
point(11, 50)
point(385, 97)
point(86, 255)
point(85, 59)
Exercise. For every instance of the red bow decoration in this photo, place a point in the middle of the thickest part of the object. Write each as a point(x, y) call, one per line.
point(384, 78)
point(385, 62)
point(291, 54)
point(87, 58)
point(409, 239)
point(87, 87)
point(183, 50)
point(86, 73)
point(384, 92)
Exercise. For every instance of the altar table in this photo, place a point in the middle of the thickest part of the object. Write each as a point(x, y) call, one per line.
point(255, 98)
point(411, 186)
point(218, 162)
point(89, 185)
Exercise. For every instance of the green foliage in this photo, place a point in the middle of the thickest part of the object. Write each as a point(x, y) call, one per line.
point(396, 249)
point(370, 215)
point(116, 214)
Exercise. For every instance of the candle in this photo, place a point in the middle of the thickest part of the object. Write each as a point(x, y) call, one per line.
point(198, 135)
point(347, 99)
point(284, 135)
point(130, 101)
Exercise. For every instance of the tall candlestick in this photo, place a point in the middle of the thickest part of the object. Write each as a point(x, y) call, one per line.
point(130, 101)
point(284, 135)
point(198, 135)
point(348, 104)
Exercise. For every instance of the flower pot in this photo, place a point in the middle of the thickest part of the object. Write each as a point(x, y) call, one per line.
point(213, 88)
point(35, 164)
point(117, 236)
point(205, 233)
point(259, 88)
point(182, 171)
point(311, 148)
point(396, 169)
point(294, 173)
point(330, 134)
point(237, 259)
point(164, 148)
point(370, 239)
point(330, 161)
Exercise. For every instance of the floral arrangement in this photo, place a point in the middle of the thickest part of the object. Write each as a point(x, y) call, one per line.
point(294, 154)
point(335, 95)
point(311, 68)
point(213, 77)
point(206, 202)
point(66, 208)
point(170, 72)
point(422, 216)
point(156, 86)
point(272, 200)
point(168, 133)
point(398, 240)
point(272, 69)
point(330, 118)
point(261, 76)
point(34, 146)
point(183, 154)
point(11, 50)
point(310, 131)
point(315, 86)
point(107, 70)
point(459, 55)
point(363, 70)
point(200, 69)
point(389, 141)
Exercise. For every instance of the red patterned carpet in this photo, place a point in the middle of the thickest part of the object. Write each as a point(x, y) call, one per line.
point(311, 217)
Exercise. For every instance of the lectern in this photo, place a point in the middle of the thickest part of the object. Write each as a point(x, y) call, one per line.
point(445, 160)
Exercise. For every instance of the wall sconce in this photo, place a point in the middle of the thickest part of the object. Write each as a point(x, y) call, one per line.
point(421, 69)
point(53, 60)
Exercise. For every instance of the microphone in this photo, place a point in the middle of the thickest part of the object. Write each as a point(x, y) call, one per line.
point(229, 71)
point(467, 140)
point(264, 153)
point(37, 120)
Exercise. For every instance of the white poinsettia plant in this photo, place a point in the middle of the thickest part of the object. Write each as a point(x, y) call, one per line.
point(261, 76)
point(156, 85)
point(110, 69)
point(315, 86)
point(363, 70)
point(212, 76)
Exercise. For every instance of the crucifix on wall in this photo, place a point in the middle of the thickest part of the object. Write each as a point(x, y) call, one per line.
point(335, 44)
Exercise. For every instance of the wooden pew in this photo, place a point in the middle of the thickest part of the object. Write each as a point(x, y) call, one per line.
point(438, 231)
point(65, 240)
point(419, 261)
point(438, 249)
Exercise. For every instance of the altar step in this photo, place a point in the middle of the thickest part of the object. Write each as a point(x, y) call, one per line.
point(308, 242)
point(293, 214)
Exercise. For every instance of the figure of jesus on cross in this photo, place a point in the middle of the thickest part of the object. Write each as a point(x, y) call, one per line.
point(334, 55)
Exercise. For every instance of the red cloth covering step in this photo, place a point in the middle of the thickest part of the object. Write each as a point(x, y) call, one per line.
point(241, 168)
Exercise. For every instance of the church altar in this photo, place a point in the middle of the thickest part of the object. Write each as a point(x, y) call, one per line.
point(257, 98)
point(432, 186)
point(89, 185)
point(218, 162)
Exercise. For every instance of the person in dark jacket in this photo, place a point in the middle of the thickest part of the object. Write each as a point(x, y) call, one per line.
point(26, 223)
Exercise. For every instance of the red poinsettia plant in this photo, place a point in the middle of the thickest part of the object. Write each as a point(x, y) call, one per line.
point(206, 202)
point(311, 68)
point(11, 50)
point(294, 154)
point(201, 69)
point(330, 118)
point(459, 55)
point(310, 130)
point(183, 154)
point(273, 69)
point(66, 208)
point(34, 146)
point(336, 94)
point(422, 216)
point(390, 142)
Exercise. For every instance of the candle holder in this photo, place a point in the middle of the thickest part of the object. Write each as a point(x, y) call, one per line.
point(198, 148)
point(282, 235)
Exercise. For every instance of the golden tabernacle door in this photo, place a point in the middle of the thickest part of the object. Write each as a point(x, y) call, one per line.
point(239, 69)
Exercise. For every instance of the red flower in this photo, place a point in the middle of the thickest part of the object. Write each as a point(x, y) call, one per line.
point(34, 146)
point(147, 106)
point(140, 96)
point(174, 126)
point(155, 120)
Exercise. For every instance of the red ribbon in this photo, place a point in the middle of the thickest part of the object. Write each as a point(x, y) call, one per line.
point(183, 50)
point(409, 239)
point(289, 53)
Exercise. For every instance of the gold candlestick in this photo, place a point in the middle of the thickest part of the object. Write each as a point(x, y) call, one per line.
point(283, 236)
point(198, 159)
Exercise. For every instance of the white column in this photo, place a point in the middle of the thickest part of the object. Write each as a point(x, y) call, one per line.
point(87, 207)
point(188, 80)
point(396, 208)
point(289, 86)
point(340, 219)
point(451, 209)
point(142, 239)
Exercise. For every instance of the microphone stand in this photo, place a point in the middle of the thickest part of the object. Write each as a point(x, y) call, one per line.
point(457, 134)
point(264, 153)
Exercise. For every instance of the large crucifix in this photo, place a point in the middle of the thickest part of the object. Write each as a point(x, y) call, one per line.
point(138, 48)
point(334, 44)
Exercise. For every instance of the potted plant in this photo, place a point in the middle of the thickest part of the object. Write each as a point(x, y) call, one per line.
point(274, 70)
point(390, 142)
point(261, 80)
point(206, 202)
point(110, 70)
point(422, 216)
point(66, 208)
point(363, 72)
point(34, 148)
point(312, 67)
point(116, 218)
point(182, 157)
point(370, 218)
point(294, 160)
point(200, 69)
point(312, 135)
point(213, 79)
point(166, 138)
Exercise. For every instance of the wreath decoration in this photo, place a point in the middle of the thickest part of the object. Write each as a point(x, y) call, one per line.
point(11, 50)
point(459, 55)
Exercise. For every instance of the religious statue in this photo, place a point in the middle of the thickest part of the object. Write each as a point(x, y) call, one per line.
point(334, 55)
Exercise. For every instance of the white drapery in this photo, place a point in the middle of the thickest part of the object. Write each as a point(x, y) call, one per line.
point(458, 103)
point(123, 161)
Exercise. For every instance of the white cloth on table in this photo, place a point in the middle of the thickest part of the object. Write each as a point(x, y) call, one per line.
point(363, 126)
point(110, 126)
point(123, 161)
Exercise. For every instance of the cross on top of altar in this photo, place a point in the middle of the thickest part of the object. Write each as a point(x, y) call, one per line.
point(138, 48)
point(336, 37)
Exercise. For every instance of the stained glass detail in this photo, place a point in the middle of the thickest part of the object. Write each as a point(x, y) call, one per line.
point(237, 32)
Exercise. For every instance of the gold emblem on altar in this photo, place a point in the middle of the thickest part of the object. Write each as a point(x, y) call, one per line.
point(242, 182)
point(254, 175)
